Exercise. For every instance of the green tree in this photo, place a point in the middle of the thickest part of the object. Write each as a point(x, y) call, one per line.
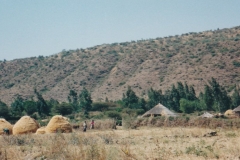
point(73, 99)
point(51, 103)
point(208, 97)
point(30, 107)
point(100, 106)
point(221, 100)
point(192, 94)
point(175, 99)
point(235, 98)
point(143, 104)
point(85, 101)
point(63, 108)
point(17, 106)
point(186, 88)
point(42, 106)
point(225, 101)
point(187, 106)
point(154, 97)
point(216, 91)
point(181, 90)
point(130, 100)
point(4, 112)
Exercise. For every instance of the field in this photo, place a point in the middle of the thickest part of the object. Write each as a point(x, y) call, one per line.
point(153, 143)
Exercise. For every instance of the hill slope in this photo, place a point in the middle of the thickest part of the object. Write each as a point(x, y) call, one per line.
point(106, 70)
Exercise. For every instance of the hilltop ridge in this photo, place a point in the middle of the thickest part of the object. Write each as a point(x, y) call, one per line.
point(106, 70)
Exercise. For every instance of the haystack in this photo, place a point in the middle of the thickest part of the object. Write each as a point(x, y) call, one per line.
point(24, 125)
point(159, 110)
point(5, 125)
point(41, 130)
point(229, 113)
point(58, 123)
point(207, 115)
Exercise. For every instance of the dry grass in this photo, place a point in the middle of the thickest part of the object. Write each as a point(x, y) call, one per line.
point(144, 143)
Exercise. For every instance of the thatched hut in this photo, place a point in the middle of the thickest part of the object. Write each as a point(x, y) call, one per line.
point(237, 111)
point(159, 110)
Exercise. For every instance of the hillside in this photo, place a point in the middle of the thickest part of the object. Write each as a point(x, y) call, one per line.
point(106, 70)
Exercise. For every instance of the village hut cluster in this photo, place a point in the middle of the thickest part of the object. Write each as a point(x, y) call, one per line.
point(160, 110)
point(61, 124)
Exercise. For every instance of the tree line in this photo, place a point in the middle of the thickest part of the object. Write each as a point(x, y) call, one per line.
point(180, 98)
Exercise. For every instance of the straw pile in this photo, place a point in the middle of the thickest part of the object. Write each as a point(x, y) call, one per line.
point(58, 123)
point(25, 125)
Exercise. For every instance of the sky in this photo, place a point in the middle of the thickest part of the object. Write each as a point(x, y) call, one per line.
point(30, 28)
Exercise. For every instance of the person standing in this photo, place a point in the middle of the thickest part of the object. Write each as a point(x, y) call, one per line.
point(84, 126)
point(92, 125)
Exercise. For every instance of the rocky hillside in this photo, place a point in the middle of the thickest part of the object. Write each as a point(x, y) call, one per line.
point(106, 70)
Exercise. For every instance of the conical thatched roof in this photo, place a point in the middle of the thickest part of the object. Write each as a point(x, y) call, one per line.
point(207, 115)
point(159, 110)
point(237, 109)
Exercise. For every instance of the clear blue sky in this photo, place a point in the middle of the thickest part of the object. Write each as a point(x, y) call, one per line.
point(31, 28)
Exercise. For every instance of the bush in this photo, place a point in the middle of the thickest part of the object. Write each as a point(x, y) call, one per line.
point(101, 106)
point(236, 63)
point(63, 108)
point(187, 106)
point(133, 112)
point(30, 107)
point(3, 110)
point(114, 114)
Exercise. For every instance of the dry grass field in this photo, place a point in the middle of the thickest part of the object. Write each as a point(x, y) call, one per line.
point(153, 143)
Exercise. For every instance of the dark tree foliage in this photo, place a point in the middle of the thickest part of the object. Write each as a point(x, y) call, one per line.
point(63, 108)
point(42, 107)
point(143, 104)
point(175, 98)
point(85, 101)
point(155, 97)
point(208, 98)
point(17, 106)
point(101, 106)
point(222, 101)
point(4, 112)
point(114, 114)
point(30, 107)
point(130, 100)
point(181, 90)
point(73, 99)
point(187, 106)
point(51, 103)
point(192, 94)
point(235, 98)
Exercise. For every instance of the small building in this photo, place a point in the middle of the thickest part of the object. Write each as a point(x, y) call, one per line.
point(237, 111)
point(159, 110)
